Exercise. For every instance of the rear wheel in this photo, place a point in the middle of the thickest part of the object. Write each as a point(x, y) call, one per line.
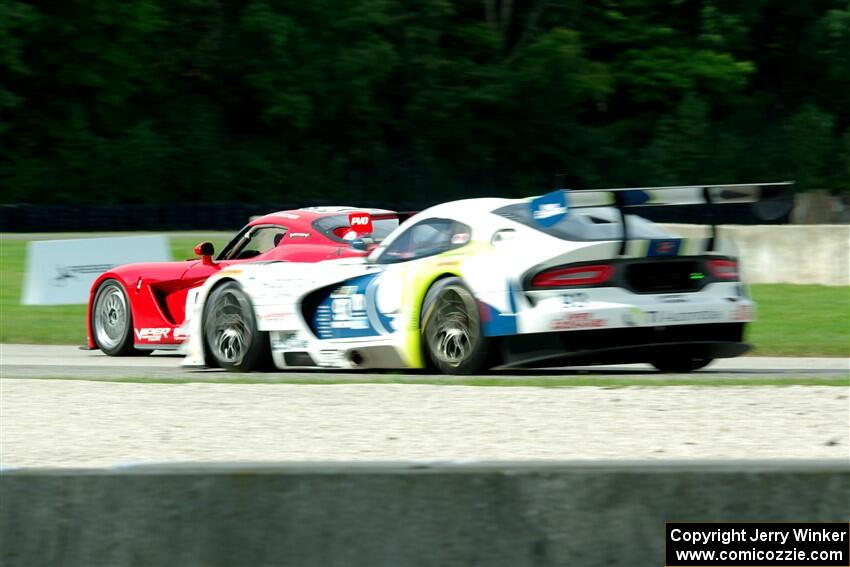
point(451, 328)
point(681, 363)
point(230, 331)
point(112, 321)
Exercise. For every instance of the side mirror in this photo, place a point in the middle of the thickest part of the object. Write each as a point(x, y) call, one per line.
point(205, 250)
point(358, 244)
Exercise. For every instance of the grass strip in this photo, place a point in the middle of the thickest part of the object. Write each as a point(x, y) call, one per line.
point(482, 381)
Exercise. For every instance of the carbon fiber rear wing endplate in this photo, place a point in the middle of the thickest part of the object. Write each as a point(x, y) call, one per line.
point(706, 195)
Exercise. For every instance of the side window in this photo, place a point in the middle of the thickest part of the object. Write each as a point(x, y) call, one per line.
point(256, 241)
point(426, 238)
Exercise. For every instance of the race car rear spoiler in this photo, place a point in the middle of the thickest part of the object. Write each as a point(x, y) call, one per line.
point(402, 216)
point(707, 195)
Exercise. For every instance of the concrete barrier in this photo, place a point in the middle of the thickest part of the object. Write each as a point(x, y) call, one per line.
point(797, 254)
point(396, 514)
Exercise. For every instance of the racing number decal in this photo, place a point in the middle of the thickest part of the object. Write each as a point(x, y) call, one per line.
point(344, 307)
point(345, 313)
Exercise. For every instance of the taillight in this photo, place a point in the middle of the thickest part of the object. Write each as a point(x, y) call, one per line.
point(580, 275)
point(723, 269)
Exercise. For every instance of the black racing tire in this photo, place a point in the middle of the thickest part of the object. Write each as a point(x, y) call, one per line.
point(681, 364)
point(231, 336)
point(112, 321)
point(452, 335)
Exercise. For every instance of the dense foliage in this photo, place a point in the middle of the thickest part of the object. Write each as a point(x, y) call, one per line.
point(273, 100)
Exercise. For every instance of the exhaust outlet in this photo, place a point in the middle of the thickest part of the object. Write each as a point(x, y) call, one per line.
point(354, 357)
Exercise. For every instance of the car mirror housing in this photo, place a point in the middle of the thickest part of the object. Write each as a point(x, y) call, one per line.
point(205, 250)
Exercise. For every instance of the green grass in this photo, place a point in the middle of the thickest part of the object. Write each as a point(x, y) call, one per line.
point(801, 320)
point(793, 320)
point(610, 382)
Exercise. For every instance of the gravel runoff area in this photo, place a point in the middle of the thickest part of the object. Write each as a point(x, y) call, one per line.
point(70, 423)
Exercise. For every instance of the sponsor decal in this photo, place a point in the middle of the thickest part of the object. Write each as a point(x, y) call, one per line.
point(666, 247)
point(549, 209)
point(361, 223)
point(460, 238)
point(289, 216)
point(676, 298)
point(635, 317)
point(277, 316)
point(578, 321)
point(348, 311)
point(65, 273)
point(683, 317)
point(181, 334)
point(344, 290)
point(574, 299)
point(743, 313)
point(351, 311)
point(299, 235)
point(152, 334)
point(329, 357)
point(290, 342)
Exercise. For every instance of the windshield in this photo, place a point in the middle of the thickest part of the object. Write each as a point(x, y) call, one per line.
point(336, 227)
point(587, 224)
point(252, 241)
point(426, 238)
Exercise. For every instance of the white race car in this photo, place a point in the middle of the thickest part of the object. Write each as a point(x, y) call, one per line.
point(565, 278)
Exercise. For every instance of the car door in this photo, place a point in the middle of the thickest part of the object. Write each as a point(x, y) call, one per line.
point(251, 244)
point(369, 305)
point(420, 254)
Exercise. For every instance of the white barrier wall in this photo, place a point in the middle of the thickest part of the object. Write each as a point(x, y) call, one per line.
point(796, 254)
point(60, 272)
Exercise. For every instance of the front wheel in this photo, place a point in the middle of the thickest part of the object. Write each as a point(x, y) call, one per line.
point(112, 321)
point(681, 364)
point(230, 331)
point(451, 329)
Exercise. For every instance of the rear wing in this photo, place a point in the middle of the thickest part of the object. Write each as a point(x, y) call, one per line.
point(776, 194)
point(402, 216)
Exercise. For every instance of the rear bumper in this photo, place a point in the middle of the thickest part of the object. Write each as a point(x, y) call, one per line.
point(613, 308)
point(624, 345)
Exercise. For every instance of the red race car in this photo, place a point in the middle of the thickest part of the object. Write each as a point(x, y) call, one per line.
point(137, 308)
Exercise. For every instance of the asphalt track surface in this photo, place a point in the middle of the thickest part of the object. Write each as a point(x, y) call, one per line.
point(55, 361)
